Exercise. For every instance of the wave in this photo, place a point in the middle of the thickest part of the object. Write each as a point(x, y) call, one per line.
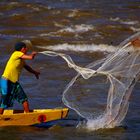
point(127, 22)
point(135, 29)
point(73, 13)
point(81, 48)
point(72, 29)
point(78, 28)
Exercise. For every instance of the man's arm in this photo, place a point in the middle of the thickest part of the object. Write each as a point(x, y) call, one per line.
point(28, 68)
point(29, 56)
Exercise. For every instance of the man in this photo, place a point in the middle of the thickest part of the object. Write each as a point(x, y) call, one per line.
point(10, 87)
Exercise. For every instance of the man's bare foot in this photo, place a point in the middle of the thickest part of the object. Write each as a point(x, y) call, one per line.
point(26, 107)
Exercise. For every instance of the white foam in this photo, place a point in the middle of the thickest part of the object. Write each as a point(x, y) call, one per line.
point(77, 28)
point(81, 48)
point(115, 19)
point(73, 13)
point(37, 9)
point(73, 29)
point(58, 24)
point(13, 3)
point(98, 123)
point(129, 22)
point(135, 29)
point(49, 34)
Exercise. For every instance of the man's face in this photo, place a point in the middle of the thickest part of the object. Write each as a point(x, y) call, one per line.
point(24, 50)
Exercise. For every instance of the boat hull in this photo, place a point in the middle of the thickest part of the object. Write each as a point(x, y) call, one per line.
point(36, 116)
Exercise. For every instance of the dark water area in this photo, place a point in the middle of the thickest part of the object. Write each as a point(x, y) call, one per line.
point(77, 28)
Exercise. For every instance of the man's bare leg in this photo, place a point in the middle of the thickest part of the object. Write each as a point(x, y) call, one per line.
point(1, 110)
point(26, 106)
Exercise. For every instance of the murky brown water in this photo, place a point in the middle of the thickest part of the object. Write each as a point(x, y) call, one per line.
point(77, 28)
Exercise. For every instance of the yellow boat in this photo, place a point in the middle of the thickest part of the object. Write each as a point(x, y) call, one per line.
point(36, 116)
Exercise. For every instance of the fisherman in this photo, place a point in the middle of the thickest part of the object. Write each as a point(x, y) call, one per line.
point(10, 87)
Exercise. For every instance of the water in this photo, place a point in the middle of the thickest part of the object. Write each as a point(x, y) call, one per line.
point(86, 30)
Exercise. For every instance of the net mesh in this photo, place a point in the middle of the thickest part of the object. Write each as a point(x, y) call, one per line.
point(100, 91)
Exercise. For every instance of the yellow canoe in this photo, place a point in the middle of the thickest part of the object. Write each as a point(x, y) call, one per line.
point(36, 116)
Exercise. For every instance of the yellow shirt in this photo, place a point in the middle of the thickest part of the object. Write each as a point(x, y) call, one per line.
point(14, 67)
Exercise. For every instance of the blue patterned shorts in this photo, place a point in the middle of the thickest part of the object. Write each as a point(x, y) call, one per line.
point(9, 92)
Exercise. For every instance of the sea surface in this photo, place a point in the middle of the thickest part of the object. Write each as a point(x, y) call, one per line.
point(84, 29)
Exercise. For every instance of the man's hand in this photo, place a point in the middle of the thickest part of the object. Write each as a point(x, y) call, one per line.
point(28, 68)
point(37, 74)
point(33, 54)
point(29, 56)
point(136, 42)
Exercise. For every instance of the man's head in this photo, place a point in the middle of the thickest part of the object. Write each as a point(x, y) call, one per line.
point(23, 46)
point(19, 46)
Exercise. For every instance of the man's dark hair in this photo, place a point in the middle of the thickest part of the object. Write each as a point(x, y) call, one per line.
point(19, 46)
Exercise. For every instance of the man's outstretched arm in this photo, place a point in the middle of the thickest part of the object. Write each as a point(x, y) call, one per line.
point(28, 68)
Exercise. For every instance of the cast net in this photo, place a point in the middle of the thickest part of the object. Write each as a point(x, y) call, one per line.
point(100, 91)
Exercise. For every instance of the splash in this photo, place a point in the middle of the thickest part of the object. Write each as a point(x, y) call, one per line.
point(112, 78)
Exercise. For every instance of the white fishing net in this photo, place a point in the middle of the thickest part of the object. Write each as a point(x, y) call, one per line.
point(100, 92)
